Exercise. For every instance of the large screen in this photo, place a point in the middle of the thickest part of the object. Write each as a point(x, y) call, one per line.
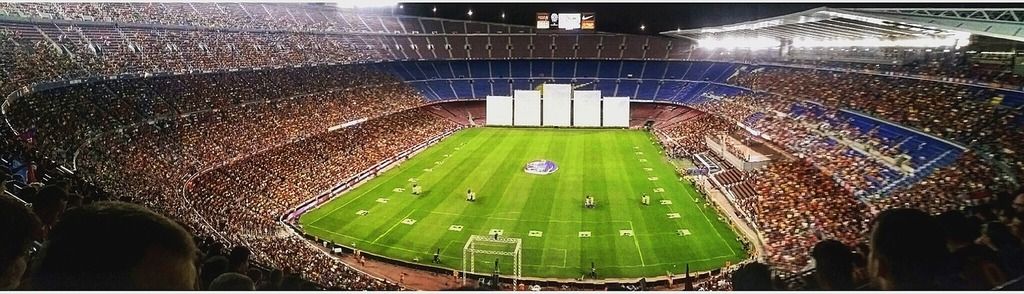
point(565, 21)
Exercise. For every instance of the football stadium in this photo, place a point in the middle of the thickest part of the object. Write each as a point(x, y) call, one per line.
point(371, 146)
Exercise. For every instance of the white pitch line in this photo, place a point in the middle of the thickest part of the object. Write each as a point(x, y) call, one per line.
point(520, 219)
point(393, 227)
point(711, 225)
point(637, 243)
point(329, 213)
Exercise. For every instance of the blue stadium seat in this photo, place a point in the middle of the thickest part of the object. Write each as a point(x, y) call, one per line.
point(481, 88)
point(677, 70)
point(654, 70)
point(631, 69)
point(627, 88)
point(586, 68)
point(609, 69)
point(520, 68)
point(501, 87)
point(479, 69)
point(646, 89)
point(460, 69)
point(443, 89)
point(463, 89)
point(540, 69)
point(563, 69)
point(607, 87)
point(500, 69)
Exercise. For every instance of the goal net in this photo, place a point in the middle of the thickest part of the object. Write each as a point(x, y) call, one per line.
point(495, 250)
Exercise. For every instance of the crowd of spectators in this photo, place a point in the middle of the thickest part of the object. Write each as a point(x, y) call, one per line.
point(69, 239)
point(976, 248)
point(250, 221)
point(249, 16)
point(938, 66)
point(969, 181)
point(142, 139)
point(770, 115)
point(963, 65)
point(956, 112)
point(686, 138)
point(323, 95)
point(39, 53)
point(152, 162)
point(95, 240)
point(245, 198)
point(796, 205)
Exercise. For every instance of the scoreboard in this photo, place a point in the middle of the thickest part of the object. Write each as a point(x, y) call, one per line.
point(565, 21)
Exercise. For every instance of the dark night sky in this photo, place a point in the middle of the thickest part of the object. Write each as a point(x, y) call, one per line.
point(657, 17)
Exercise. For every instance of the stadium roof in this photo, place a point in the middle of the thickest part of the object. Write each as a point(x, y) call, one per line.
point(826, 23)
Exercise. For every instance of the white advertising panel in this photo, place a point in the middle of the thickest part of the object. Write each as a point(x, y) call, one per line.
point(586, 108)
point(616, 112)
point(557, 112)
point(526, 108)
point(557, 105)
point(499, 111)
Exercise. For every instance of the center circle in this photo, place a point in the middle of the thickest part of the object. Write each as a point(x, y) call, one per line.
point(540, 167)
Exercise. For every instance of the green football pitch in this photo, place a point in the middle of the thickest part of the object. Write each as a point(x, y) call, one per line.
point(626, 239)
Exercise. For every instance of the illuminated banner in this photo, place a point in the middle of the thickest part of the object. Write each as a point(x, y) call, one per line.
point(587, 21)
point(566, 21)
point(543, 22)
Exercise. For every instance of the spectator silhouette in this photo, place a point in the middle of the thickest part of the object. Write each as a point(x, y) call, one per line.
point(232, 281)
point(975, 266)
point(116, 246)
point(18, 227)
point(1008, 248)
point(908, 251)
point(833, 263)
point(752, 277)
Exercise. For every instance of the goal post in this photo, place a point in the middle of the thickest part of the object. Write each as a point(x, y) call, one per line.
point(492, 246)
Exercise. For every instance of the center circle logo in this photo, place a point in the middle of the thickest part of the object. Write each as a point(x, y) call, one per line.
point(540, 167)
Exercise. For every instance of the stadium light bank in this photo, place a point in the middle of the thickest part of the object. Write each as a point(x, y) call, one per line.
point(756, 43)
point(956, 40)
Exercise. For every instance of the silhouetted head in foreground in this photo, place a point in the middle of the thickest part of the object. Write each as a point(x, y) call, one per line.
point(833, 263)
point(752, 277)
point(908, 251)
point(116, 246)
point(18, 227)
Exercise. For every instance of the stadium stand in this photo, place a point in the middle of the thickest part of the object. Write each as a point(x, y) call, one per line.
point(217, 115)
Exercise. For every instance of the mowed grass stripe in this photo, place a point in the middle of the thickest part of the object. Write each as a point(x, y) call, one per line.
point(663, 247)
point(444, 198)
point(596, 250)
point(620, 202)
point(559, 244)
point(490, 160)
point(490, 185)
point(394, 178)
point(537, 204)
point(383, 216)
